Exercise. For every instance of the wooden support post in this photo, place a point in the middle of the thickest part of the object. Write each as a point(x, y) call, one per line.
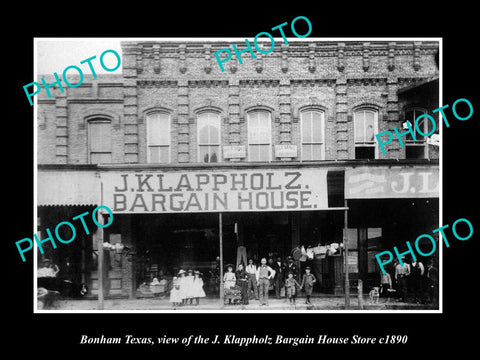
point(345, 248)
point(360, 293)
point(220, 239)
point(99, 238)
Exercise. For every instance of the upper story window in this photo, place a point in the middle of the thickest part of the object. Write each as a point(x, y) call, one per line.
point(209, 137)
point(259, 124)
point(313, 135)
point(100, 141)
point(158, 137)
point(417, 149)
point(366, 126)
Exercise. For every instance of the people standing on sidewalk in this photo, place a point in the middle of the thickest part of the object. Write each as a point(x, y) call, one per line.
point(278, 280)
point(197, 291)
point(251, 270)
point(242, 279)
point(263, 275)
point(188, 284)
point(385, 284)
point(416, 280)
point(291, 267)
point(291, 286)
point(308, 280)
point(182, 286)
point(401, 277)
point(175, 296)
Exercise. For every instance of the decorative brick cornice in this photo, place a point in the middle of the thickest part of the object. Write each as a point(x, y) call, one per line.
point(259, 82)
point(367, 81)
point(207, 83)
point(312, 82)
point(157, 83)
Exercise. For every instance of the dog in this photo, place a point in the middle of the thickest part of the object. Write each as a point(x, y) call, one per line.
point(374, 295)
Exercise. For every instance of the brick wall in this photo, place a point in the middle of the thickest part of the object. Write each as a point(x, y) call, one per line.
point(183, 78)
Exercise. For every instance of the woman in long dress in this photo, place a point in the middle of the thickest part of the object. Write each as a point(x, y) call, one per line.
point(182, 291)
point(175, 296)
point(229, 278)
point(197, 287)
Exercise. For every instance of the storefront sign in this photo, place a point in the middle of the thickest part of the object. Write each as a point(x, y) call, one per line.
point(284, 151)
point(382, 183)
point(238, 152)
point(215, 190)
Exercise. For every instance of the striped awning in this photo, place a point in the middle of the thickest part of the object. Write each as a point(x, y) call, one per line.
point(68, 187)
point(371, 182)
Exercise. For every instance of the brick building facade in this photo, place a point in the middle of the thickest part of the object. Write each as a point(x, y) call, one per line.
point(322, 102)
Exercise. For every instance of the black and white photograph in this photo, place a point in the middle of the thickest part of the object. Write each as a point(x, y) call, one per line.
point(298, 182)
point(260, 188)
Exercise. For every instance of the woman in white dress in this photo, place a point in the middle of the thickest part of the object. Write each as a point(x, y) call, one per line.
point(182, 291)
point(229, 278)
point(188, 284)
point(197, 287)
point(175, 296)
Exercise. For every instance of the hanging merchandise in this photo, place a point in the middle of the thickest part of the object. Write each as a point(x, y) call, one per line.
point(332, 248)
point(320, 252)
point(296, 253)
point(304, 254)
point(310, 254)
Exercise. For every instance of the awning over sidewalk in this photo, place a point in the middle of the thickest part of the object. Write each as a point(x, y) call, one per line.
point(392, 182)
point(68, 187)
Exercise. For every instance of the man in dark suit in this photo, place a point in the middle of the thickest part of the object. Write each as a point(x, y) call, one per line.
point(278, 280)
point(291, 267)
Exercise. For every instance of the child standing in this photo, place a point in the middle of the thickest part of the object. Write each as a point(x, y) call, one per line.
point(188, 286)
point(197, 287)
point(182, 288)
point(307, 283)
point(291, 288)
point(175, 297)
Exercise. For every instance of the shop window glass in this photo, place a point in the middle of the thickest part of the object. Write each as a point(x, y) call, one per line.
point(416, 149)
point(313, 143)
point(366, 126)
point(100, 141)
point(259, 136)
point(208, 137)
point(158, 138)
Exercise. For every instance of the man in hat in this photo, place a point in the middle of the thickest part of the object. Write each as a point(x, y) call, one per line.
point(291, 267)
point(263, 275)
point(401, 275)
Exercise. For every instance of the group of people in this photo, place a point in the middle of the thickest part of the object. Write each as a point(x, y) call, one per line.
point(186, 286)
point(257, 280)
point(413, 281)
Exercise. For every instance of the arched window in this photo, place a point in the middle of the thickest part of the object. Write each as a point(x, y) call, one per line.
point(313, 134)
point(158, 137)
point(209, 137)
point(100, 141)
point(366, 126)
point(417, 149)
point(259, 123)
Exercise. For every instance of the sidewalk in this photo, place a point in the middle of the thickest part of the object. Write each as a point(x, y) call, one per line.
point(323, 303)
